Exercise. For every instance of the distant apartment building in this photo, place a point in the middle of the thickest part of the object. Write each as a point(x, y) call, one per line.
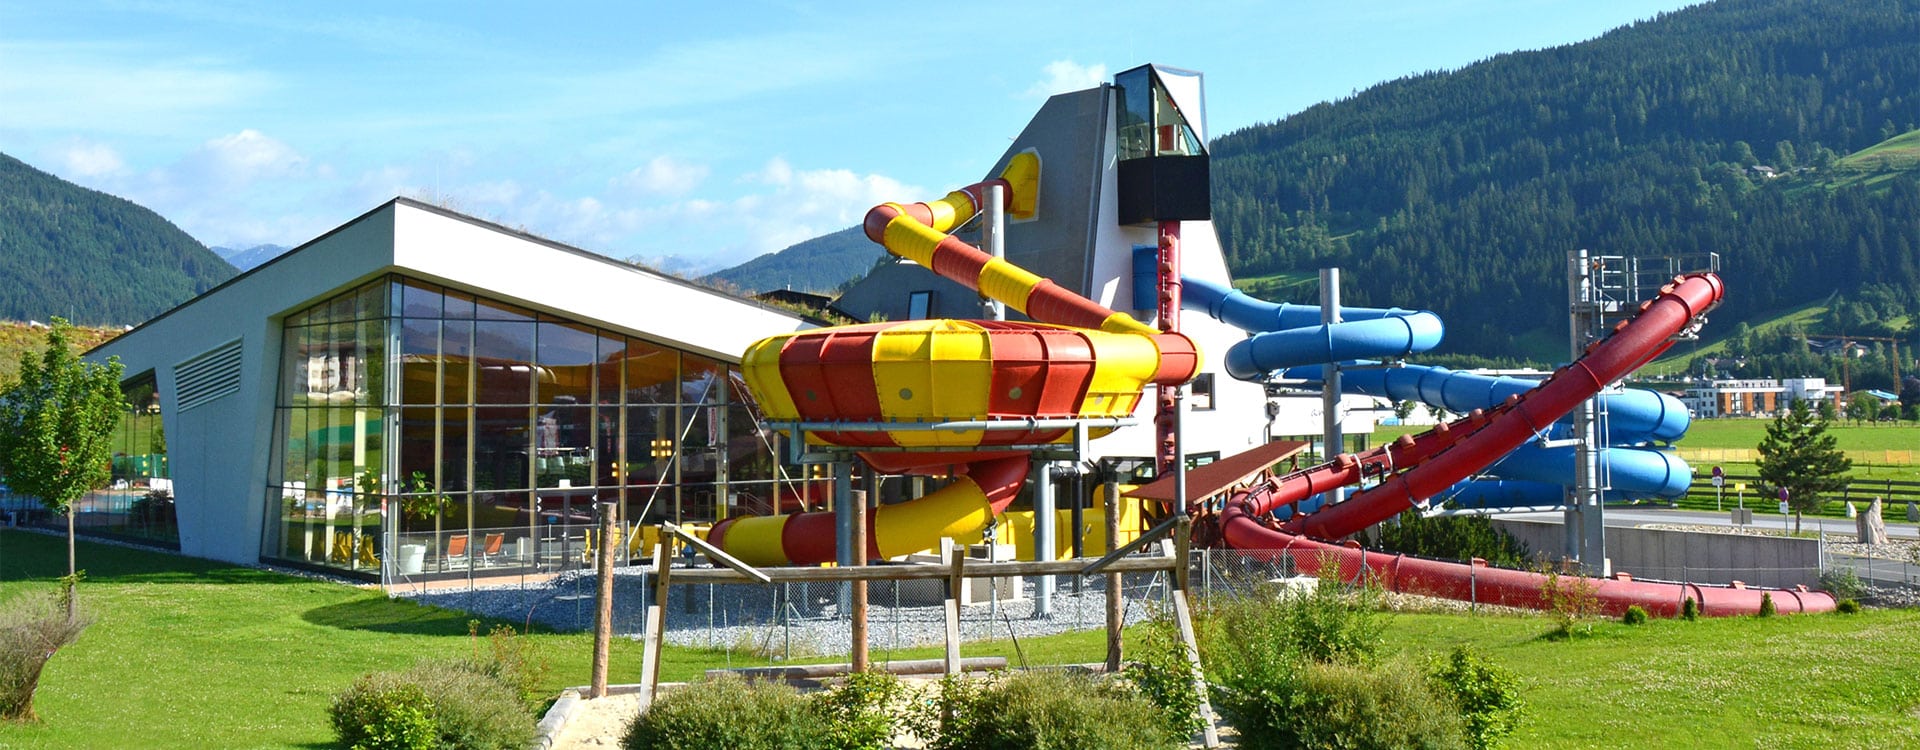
point(1744, 398)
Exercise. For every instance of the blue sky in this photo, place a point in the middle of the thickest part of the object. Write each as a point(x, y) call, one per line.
point(710, 131)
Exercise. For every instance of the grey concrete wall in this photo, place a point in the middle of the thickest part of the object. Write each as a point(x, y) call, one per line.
point(1697, 557)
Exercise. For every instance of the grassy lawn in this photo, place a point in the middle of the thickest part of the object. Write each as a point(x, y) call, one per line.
point(191, 653)
point(1811, 681)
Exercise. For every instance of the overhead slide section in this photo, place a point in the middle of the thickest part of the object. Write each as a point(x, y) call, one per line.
point(1292, 335)
point(1633, 415)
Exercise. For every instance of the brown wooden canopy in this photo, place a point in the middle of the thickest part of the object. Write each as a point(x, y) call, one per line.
point(1206, 481)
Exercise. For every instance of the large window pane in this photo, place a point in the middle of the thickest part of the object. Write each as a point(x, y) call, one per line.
point(702, 380)
point(416, 441)
point(502, 442)
point(419, 300)
point(504, 354)
point(652, 372)
point(453, 447)
point(456, 359)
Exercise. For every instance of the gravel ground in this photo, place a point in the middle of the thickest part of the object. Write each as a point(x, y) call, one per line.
point(796, 620)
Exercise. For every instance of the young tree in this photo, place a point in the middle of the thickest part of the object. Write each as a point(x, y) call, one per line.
point(1862, 406)
point(1799, 455)
point(55, 424)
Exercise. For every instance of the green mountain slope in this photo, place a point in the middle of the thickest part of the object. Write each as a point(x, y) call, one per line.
point(90, 257)
point(820, 264)
point(1463, 191)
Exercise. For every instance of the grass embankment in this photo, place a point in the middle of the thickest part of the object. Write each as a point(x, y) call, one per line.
point(17, 338)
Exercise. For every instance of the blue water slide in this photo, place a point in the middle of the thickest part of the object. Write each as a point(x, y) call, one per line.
point(1292, 335)
point(1630, 473)
point(1633, 416)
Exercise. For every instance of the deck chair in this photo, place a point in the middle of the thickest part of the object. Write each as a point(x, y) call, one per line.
point(456, 548)
point(490, 549)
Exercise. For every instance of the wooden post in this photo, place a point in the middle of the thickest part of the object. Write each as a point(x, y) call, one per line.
point(1183, 617)
point(1115, 618)
point(603, 605)
point(859, 634)
point(656, 621)
point(957, 556)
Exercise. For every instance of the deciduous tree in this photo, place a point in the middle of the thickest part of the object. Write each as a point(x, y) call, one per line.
point(55, 425)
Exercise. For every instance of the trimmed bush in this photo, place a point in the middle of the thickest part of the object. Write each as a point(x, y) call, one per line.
point(1766, 605)
point(1355, 708)
point(384, 712)
point(1635, 615)
point(1690, 609)
point(1044, 710)
point(1451, 537)
point(473, 710)
point(728, 713)
point(861, 712)
point(452, 705)
point(1487, 695)
point(1847, 607)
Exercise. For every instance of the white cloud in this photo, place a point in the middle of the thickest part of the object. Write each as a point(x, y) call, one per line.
point(116, 88)
point(664, 175)
point(244, 157)
point(84, 160)
point(1066, 75)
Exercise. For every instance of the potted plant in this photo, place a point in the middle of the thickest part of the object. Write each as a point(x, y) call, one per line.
point(420, 502)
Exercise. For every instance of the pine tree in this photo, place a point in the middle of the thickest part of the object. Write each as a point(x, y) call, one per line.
point(1798, 455)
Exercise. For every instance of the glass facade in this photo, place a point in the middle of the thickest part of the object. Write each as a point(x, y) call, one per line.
point(507, 426)
point(138, 505)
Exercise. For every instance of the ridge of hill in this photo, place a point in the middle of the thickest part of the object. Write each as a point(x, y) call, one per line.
point(821, 264)
point(91, 257)
point(1695, 132)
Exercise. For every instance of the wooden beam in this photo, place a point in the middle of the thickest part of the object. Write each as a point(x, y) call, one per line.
point(1183, 616)
point(715, 553)
point(656, 629)
point(919, 572)
point(1154, 534)
point(1116, 617)
point(957, 559)
point(603, 604)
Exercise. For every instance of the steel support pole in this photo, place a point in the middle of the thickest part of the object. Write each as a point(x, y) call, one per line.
point(993, 230)
point(1043, 535)
point(1331, 438)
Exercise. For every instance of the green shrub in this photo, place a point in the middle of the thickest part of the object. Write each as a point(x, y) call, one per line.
point(1044, 710)
point(1571, 598)
point(1690, 609)
point(728, 713)
point(1487, 695)
point(1766, 605)
point(1635, 615)
point(473, 710)
point(1843, 583)
point(1336, 622)
point(1451, 537)
point(1847, 607)
point(948, 709)
point(1160, 671)
point(860, 713)
point(32, 628)
point(509, 658)
point(1353, 707)
point(1253, 647)
point(384, 712)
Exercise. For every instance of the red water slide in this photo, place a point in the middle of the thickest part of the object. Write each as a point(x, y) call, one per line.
point(1414, 468)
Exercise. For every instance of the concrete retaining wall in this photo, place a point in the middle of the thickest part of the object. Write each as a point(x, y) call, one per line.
point(1698, 557)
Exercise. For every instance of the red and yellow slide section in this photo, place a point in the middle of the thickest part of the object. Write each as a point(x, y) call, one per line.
point(1082, 361)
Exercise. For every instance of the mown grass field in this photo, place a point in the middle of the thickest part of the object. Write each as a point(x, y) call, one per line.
point(194, 654)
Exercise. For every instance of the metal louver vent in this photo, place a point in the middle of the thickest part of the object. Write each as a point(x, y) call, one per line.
point(208, 376)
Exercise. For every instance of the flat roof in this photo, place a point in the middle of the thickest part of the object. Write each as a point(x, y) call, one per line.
point(1207, 481)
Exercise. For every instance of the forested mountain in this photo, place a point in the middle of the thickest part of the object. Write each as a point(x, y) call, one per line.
point(1463, 191)
point(820, 264)
point(90, 257)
